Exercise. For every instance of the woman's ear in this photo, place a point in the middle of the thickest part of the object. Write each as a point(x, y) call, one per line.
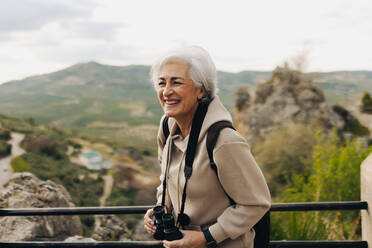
point(201, 92)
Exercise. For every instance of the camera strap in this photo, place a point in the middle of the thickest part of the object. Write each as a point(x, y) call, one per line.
point(196, 125)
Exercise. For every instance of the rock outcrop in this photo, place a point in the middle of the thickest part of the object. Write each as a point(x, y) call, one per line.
point(111, 228)
point(24, 190)
point(140, 233)
point(78, 238)
point(288, 96)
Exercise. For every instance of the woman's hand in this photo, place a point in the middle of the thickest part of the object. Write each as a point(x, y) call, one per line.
point(191, 239)
point(149, 224)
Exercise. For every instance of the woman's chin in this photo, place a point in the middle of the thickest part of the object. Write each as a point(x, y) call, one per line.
point(170, 113)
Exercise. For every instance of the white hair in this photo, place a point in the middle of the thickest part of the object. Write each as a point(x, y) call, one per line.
point(202, 70)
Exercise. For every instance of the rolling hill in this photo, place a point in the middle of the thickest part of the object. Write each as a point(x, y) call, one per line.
point(118, 102)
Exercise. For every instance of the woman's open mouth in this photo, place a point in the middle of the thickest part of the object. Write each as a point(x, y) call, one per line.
point(172, 102)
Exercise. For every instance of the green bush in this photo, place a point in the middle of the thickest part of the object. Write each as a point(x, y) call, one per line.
point(5, 149)
point(88, 224)
point(297, 226)
point(5, 134)
point(352, 124)
point(19, 165)
point(335, 176)
point(121, 197)
point(284, 152)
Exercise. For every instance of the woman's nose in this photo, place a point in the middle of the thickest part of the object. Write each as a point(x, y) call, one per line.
point(167, 90)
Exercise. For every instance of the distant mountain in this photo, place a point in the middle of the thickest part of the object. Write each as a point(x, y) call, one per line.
point(344, 87)
point(88, 93)
point(80, 94)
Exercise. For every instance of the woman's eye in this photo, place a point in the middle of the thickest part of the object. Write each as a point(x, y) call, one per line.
point(177, 82)
point(161, 83)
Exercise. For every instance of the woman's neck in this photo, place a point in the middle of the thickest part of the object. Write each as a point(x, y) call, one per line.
point(185, 128)
point(184, 123)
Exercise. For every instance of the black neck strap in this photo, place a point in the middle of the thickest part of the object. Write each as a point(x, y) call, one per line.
point(197, 123)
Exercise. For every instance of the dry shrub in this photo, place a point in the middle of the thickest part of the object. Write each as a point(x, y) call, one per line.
point(44, 145)
point(284, 152)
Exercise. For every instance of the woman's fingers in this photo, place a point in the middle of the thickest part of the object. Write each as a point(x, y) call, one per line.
point(191, 239)
point(149, 224)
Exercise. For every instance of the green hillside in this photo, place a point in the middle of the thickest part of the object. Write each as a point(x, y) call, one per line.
point(344, 87)
point(119, 104)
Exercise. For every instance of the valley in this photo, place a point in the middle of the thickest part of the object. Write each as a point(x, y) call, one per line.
point(117, 105)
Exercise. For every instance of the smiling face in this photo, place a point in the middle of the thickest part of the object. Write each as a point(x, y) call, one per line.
point(177, 93)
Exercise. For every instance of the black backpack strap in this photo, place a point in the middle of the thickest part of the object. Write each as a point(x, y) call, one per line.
point(262, 230)
point(212, 137)
point(165, 129)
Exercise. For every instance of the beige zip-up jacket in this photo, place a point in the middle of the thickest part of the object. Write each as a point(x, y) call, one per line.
point(207, 204)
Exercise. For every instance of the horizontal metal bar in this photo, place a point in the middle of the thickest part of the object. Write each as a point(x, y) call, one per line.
point(318, 244)
point(319, 206)
point(131, 244)
point(304, 206)
point(150, 244)
point(73, 211)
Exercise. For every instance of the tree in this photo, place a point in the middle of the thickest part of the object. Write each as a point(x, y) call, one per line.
point(30, 120)
point(44, 144)
point(5, 134)
point(242, 98)
point(5, 149)
point(366, 103)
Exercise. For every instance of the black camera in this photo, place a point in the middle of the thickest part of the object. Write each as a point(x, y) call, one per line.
point(165, 227)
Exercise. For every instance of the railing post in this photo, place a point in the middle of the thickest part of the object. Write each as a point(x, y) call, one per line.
point(366, 195)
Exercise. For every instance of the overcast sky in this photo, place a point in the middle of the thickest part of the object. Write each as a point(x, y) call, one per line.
point(41, 36)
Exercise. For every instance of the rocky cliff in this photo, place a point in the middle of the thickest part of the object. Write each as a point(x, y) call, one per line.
point(24, 190)
point(287, 97)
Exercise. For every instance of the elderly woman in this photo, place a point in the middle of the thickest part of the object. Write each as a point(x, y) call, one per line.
point(213, 208)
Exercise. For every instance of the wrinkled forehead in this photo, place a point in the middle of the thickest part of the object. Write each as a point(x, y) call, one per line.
point(174, 68)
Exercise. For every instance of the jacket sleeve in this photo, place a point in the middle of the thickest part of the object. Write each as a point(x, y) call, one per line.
point(244, 182)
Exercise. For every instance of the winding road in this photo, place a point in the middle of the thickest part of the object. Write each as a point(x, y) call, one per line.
point(5, 169)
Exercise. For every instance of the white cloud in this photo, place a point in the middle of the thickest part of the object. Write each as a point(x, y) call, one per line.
point(26, 15)
point(37, 36)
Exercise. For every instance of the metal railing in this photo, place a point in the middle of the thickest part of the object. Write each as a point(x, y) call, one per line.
point(278, 207)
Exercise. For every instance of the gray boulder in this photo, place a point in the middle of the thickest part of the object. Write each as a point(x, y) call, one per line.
point(24, 190)
point(78, 238)
point(140, 233)
point(111, 228)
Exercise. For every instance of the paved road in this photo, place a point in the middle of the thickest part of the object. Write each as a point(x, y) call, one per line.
point(5, 170)
point(109, 182)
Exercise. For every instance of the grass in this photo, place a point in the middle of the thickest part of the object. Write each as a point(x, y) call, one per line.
point(19, 165)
